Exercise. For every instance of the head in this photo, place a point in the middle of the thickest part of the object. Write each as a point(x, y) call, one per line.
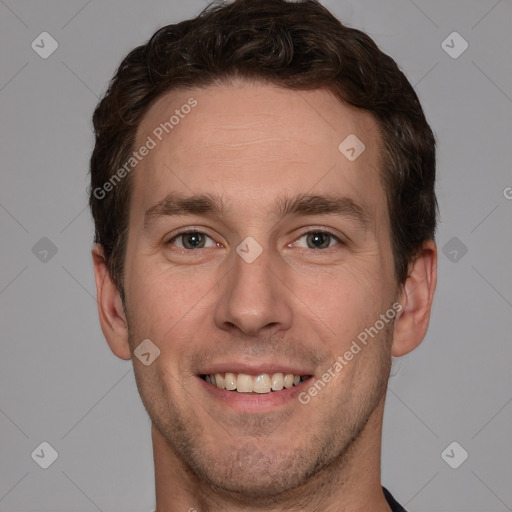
point(262, 187)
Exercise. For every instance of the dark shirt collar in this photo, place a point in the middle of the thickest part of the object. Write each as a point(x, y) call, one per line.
point(395, 506)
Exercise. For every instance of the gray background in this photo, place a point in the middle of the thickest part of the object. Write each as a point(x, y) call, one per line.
point(60, 383)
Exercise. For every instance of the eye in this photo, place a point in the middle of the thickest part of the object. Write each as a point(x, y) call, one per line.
point(318, 240)
point(190, 240)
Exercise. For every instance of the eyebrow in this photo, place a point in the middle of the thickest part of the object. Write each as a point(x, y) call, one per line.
point(302, 204)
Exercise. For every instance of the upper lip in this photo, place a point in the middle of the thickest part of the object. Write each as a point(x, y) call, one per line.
point(255, 369)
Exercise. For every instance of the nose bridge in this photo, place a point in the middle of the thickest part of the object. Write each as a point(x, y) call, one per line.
point(252, 297)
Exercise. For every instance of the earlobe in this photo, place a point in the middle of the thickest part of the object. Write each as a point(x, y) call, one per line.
point(110, 307)
point(416, 298)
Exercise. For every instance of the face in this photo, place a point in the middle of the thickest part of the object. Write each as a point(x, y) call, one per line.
point(256, 250)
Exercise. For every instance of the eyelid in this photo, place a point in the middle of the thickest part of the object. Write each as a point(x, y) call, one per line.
point(318, 230)
point(186, 231)
point(306, 231)
point(326, 231)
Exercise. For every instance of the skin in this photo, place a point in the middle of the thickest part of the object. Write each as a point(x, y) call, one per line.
point(294, 305)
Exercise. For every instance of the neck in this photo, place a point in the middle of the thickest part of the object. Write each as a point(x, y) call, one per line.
point(350, 482)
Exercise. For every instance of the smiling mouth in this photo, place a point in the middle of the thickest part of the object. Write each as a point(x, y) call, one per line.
point(261, 383)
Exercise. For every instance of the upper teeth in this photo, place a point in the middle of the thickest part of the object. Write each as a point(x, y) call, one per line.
point(262, 383)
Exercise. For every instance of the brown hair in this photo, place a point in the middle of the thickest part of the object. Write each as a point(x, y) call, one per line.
point(297, 45)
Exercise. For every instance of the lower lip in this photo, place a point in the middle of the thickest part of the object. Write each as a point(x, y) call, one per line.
point(253, 402)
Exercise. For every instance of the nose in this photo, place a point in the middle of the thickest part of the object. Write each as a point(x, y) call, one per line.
point(254, 299)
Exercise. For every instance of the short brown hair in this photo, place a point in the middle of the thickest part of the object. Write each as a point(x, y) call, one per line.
point(296, 45)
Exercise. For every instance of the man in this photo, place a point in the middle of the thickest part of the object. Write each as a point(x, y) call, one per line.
point(262, 187)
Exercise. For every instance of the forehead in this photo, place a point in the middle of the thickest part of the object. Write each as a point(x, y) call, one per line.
point(248, 141)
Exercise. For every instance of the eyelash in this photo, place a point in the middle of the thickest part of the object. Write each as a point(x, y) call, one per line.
point(324, 232)
point(305, 233)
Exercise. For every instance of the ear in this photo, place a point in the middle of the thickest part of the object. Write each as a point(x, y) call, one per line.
point(110, 307)
point(416, 298)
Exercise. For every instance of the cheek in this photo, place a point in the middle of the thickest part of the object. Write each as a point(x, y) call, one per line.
point(167, 303)
point(155, 305)
point(348, 301)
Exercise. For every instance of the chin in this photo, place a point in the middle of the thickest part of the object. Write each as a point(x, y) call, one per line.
point(253, 473)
